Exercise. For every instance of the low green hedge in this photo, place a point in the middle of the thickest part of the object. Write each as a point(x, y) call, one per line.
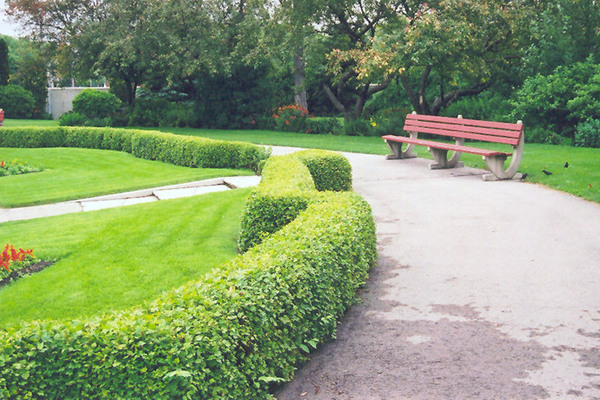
point(230, 335)
point(180, 150)
point(285, 190)
point(329, 170)
point(287, 187)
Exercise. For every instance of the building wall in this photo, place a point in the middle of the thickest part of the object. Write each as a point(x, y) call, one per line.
point(60, 100)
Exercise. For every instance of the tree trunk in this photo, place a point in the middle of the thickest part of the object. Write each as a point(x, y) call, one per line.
point(299, 86)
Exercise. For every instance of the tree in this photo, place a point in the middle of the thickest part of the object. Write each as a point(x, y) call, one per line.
point(292, 25)
point(459, 46)
point(120, 45)
point(32, 73)
point(4, 65)
point(55, 21)
point(352, 26)
point(563, 33)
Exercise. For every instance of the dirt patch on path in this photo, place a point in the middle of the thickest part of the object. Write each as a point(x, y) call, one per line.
point(376, 358)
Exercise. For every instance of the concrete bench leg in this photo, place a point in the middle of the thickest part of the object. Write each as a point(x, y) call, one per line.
point(441, 157)
point(396, 148)
point(496, 164)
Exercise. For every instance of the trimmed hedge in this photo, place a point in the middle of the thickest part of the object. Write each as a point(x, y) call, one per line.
point(329, 170)
point(175, 149)
point(285, 190)
point(230, 335)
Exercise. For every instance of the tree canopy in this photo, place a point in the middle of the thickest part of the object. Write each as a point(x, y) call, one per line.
point(334, 54)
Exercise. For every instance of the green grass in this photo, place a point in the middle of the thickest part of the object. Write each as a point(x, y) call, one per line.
point(581, 178)
point(72, 173)
point(10, 123)
point(117, 258)
point(584, 163)
point(353, 144)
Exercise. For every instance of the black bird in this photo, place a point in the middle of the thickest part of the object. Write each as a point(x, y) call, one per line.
point(547, 172)
point(567, 164)
point(524, 175)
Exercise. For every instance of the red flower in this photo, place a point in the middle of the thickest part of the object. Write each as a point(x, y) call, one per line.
point(9, 254)
point(287, 122)
point(2, 163)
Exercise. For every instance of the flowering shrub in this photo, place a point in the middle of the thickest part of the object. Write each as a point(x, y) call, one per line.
point(11, 256)
point(291, 118)
point(16, 168)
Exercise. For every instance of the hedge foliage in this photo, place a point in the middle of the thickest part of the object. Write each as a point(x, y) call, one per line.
point(175, 149)
point(286, 190)
point(230, 335)
point(329, 170)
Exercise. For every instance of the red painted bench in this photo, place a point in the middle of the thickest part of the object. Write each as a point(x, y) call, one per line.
point(460, 129)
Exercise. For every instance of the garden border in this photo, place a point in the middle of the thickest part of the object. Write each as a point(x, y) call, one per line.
point(186, 151)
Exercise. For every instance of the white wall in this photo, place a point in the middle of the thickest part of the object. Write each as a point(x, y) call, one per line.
point(60, 100)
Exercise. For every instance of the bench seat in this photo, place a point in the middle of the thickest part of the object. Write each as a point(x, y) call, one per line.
point(446, 146)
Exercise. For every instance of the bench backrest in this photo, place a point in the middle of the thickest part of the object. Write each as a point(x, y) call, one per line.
point(496, 132)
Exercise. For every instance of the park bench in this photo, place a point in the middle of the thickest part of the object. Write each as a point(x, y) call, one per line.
point(459, 130)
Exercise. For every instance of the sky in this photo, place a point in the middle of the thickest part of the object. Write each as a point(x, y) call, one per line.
point(7, 27)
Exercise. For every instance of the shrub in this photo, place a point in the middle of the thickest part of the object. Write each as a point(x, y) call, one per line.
point(538, 134)
point(16, 102)
point(389, 122)
point(286, 189)
point(72, 118)
point(228, 335)
point(359, 127)
point(30, 137)
point(284, 192)
point(324, 126)
point(228, 100)
point(329, 170)
point(180, 150)
point(292, 118)
point(587, 134)
point(490, 105)
point(96, 104)
point(561, 100)
point(148, 111)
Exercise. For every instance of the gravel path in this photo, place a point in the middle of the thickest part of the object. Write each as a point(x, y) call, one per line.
point(483, 290)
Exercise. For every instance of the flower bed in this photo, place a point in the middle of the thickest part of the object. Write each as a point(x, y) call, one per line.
point(10, 258)
point(16, 167)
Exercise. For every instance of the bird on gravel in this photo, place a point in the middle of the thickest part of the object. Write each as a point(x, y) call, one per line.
point(547, 172)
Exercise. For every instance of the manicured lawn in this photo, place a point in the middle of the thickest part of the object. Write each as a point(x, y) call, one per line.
point(117, 258)
point(72, 173)
point(581, 177)
point(29, 122)
point(353, 144)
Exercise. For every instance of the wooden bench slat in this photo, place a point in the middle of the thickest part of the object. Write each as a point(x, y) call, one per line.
point(463, 128)
point(486, 138)
point(445, 146)
point(487, 124)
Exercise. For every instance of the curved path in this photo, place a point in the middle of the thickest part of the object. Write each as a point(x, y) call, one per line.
point(483, 290)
